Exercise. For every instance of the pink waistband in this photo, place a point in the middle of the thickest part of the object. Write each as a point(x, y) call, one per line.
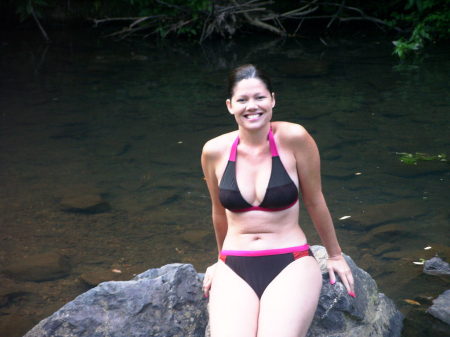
point(265, 251)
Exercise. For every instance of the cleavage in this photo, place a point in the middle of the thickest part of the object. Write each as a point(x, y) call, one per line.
point(253, 176)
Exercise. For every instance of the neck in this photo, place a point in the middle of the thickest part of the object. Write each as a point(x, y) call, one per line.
point(254, 137)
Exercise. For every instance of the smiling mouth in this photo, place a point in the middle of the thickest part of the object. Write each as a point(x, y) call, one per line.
point(253, 116)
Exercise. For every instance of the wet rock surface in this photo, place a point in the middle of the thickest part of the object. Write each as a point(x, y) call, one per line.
point(436, 266)
point(168, 302)
point(441, 307)
point(369, 314)
point(159, 302)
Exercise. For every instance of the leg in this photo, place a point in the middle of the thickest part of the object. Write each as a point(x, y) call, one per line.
point(289, 302)
point(233, 305)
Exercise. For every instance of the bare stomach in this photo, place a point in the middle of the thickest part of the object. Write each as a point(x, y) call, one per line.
point(256, 231)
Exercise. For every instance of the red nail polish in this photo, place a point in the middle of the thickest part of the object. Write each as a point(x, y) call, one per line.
point(332, 282)
point(352, 294)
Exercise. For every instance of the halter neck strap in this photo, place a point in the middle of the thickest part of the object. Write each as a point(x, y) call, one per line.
point(273, 146)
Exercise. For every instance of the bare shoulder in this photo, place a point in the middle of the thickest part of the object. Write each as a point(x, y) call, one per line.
point(291, 133)
point(216, 147)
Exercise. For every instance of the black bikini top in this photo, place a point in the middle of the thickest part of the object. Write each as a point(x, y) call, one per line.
point(281, 192)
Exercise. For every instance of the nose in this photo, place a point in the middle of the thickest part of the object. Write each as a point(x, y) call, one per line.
point(251, 105)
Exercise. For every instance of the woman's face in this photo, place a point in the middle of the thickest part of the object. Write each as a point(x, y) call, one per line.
point(251, 103)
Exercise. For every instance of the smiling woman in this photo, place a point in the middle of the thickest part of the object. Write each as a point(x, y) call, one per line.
point(253, 102)
point(254, 176)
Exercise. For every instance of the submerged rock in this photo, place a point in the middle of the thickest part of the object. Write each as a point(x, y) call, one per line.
point(13, 325)
point(375, 215)
point(94, 278)
point(436, 266)
point(39, 267)
point(8, 294)
point(441, 307)
point(83, 199)
point(88, 204)
point(169, 302)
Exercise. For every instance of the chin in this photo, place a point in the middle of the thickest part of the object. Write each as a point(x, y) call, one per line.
point(253, 125)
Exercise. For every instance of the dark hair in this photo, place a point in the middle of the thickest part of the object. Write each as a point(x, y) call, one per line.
point(244, 72)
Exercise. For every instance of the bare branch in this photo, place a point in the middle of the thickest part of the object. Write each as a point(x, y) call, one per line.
point(227, 17)
point(43, 32)
point(172, 6)
point(335, 16)
point(97, 21)
point(258, 23)
point(144, 19)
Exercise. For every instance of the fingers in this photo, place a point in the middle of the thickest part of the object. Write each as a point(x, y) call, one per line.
point(206, 289)
point(351, 285)
point(347, 280)
point(206, 286)
point(332, 276)
point(345, 275)
point(207, 280)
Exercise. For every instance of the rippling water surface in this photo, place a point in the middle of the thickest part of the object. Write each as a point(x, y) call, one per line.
point(99, 159)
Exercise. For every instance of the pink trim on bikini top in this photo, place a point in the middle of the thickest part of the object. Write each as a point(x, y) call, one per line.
point(272, 144)
point(265, 252)
point(259, 208)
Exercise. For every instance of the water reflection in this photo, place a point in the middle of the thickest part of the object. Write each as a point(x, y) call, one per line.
point(100, 145)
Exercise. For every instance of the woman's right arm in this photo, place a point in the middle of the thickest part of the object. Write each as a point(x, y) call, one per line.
point(210, 158)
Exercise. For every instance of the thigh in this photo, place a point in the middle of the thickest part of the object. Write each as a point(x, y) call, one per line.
point(289, 302)
point(233, 305)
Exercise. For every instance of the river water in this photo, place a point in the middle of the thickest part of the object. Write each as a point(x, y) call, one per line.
point(101, 140)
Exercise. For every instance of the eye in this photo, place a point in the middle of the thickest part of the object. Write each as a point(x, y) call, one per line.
point(240, 100)
point(261, 97)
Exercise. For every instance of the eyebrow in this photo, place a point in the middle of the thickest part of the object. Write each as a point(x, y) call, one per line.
point(256, 94)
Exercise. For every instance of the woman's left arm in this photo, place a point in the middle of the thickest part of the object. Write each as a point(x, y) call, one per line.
point(308, 167)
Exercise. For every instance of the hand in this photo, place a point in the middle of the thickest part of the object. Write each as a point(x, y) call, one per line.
point(207, 281)
point(339, 265)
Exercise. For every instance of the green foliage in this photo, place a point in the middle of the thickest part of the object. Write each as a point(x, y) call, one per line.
point(429, 20)
point(425, 20)
point(413, 159)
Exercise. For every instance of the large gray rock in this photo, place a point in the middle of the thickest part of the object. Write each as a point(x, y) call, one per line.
point(441, 307)
point(370, 314)
point(168, 302)
point(159, 302)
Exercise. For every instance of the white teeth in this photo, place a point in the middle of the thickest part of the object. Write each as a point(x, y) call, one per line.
point(253, 116)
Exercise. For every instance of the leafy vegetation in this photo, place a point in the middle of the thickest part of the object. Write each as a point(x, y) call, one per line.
point(417, 22)
point(414, 158)
point(429, 21)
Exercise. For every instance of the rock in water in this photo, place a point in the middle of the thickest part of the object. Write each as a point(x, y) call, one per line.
point(369, 314)
point(168, 302)
point(159, 302)
point(436, 266)
point(86, 202)
point(39, 267)
point(441, 307)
